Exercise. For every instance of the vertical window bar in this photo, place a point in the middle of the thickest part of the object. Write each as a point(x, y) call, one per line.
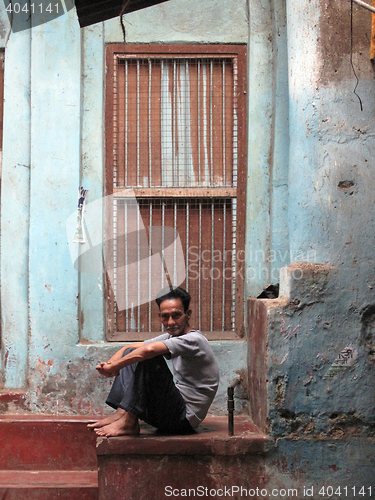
point(175, 245)
point(199, 122)
point(212, 261)
point(174, 124)
point(234, 258)
point(187, 244)
point(149, 126)
point(224, 262)
point(187, 125)
point(235, 122)
point(162, 242)
point(161, 121)
point(126, 121)
point(166, 135)
point(115, 120)
point(126, 265)
point(138, 98)
point(200, 265)
point(115, 256)
point(149, 267)
point(224, 136)
point(138, 269)
point(211, 125)
point(204, 117)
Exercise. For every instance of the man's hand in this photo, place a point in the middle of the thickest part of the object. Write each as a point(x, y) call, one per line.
point(112, 367)
point(107, 369)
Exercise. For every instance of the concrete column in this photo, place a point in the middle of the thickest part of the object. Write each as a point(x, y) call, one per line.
point(15, 210)
point(267, 231)
point(91, 314)
point(331, 143)
point(55, 159)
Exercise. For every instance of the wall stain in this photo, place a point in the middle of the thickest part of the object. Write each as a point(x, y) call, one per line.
point(368, 333)
point(335, 45)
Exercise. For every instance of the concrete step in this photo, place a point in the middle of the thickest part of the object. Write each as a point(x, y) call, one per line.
point(48, 485)
point(46, 442)
point(47, 457)
point(48, 479)
point(153, 466)
point(49, 494)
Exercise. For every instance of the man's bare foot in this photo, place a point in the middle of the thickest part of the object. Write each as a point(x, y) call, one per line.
point(119, 413)
point(127, 425)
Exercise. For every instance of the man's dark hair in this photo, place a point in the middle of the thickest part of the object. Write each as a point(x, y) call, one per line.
point(174, 293)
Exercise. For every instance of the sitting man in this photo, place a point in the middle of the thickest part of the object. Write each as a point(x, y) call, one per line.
point(144, 387)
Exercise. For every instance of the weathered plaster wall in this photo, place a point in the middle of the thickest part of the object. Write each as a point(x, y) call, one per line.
point(310, 199)
point(332, 196)
point(53, 318)
point(205, 21)
point(267, 242)
point(322, 419)
point(15, 202)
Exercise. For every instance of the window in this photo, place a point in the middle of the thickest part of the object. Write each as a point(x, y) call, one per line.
point(175, 171)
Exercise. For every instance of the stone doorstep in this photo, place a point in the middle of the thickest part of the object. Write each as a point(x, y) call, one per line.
point(51, 457)
point(48, 417)
point(211, 438)
point(48, 479)
point(46, 442)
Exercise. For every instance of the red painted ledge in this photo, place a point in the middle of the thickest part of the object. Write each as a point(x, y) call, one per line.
point(48, 479)
point(13, 400)
point(210, 439)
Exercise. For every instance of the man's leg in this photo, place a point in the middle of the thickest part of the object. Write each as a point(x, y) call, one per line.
point(144, 390)
point(121, 422)
point(147, 390)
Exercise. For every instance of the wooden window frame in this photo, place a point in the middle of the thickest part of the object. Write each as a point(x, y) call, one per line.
point(238, 51)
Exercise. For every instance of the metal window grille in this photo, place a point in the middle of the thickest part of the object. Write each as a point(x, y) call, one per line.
point(175, 143)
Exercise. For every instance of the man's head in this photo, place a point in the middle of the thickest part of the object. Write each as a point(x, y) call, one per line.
point(174, 311)
point(174, 293)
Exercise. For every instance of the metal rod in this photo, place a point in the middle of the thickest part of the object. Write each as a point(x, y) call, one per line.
point(126, 123)
point(224, 138)
point(150, 281)
point(175, 233)
point(200, 267)
point(174, 126)
point(234, 258)
point(187, 244)
point(230, 411)
point(211, 125)
point(115, 122)
point(224, 264)
point(231, 405)
point(138, 268)
point(199, 123)
point(365, 5)
point(115, 256)
point(138, 127)
point(126, 265)
point(149, 125)
point(212, 263)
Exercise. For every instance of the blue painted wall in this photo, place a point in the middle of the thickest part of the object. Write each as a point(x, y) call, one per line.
point(322, 418)
point(52, 317)
point(310, 200)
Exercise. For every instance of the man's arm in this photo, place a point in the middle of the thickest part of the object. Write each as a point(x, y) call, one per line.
point(145, 351)
point(119, 354)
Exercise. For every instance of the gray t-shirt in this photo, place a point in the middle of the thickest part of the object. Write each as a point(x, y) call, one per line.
point(195, 370)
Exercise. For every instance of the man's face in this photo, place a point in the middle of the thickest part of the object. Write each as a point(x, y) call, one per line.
point(173, 317)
